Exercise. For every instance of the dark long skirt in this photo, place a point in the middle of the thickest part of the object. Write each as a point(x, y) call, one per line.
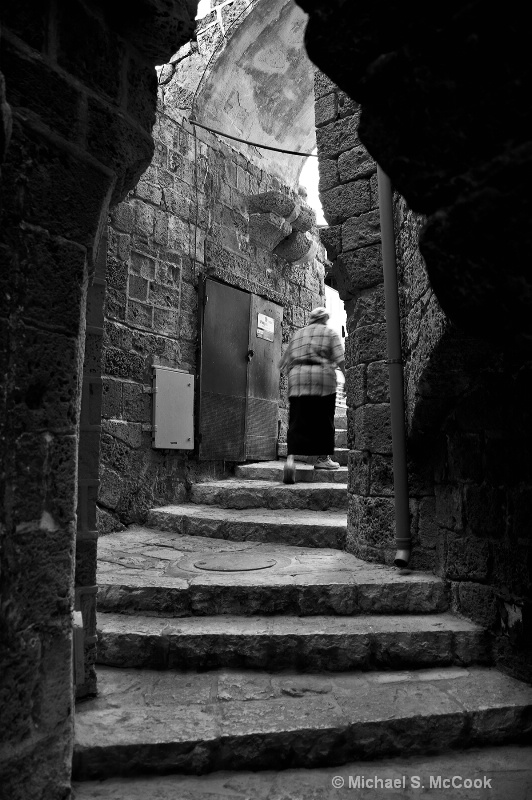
point(311, 425)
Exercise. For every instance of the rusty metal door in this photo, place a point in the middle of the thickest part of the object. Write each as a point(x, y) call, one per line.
point(262, 410)
point(239, 375)
point(223, 372)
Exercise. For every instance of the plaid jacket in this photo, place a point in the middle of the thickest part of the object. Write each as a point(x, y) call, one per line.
point(311, 358)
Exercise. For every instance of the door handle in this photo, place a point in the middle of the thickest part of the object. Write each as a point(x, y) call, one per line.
point(250, 354)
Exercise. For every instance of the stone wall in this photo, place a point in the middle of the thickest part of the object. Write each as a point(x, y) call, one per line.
point(188, 217)
point(348, 190)
point(469, 439)
point(82, 100)
point(467, 427)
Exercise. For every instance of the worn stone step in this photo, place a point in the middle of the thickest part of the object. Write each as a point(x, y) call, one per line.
point(310, 644)
point(341, 454)
point(340, 437)
point(152, 721)
point(340, 420)
point(504, 772)
point(305, 473)
point(141, 570)
point(287, 525)
point(235, 493)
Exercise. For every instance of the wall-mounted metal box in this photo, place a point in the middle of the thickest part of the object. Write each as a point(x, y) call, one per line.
point(173, 409)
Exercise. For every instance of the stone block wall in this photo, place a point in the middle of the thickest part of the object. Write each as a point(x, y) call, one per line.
point(468, 431)
point(186, 218)
point(79, 103)
point(470, 474)
point(349, 195)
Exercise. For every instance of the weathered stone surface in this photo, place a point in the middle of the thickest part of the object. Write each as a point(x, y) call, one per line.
point(467, 558)
point(153, 571)
point(336, 137)
point(377, 382)
point(288, 526)
point(268, 230)
point(298, 246)
point(326, 109)
point(355, 163)
point(373, 428)
point(328, 174)
point(502, 765)
point(361, 231)
point(477, 601)
point(371, 521)
point(307, 643)
point(273, 471)
point(355, 385)
point(342, 202)
point(360, 269)
point(271, 203)
point(302, 723)
point(262, 494)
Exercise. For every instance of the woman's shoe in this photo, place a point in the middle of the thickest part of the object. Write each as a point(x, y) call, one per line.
point(326, 462)
point(289, 471)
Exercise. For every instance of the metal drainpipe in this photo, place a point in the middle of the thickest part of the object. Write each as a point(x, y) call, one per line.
point(395, 366)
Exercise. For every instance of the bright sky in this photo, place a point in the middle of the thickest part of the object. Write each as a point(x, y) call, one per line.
point(309, 179)
point(204, 6)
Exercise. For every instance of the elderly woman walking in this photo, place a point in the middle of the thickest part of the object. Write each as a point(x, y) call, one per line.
point(312, 357)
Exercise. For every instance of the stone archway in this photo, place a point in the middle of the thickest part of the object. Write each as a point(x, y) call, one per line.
point(77, 142)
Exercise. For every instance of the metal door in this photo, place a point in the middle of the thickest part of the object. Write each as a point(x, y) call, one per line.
point(262, 410)
point(239, 375)
point(223, 372)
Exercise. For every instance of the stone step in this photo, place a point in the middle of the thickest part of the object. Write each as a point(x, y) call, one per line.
point(341, 454)
point(340, 421)
point(309, 644)
point(152, 721)
point(340, 437)
point(504, 766)
point(286, 525)
point(305, 473)
point(141, 570)
point(234, 493)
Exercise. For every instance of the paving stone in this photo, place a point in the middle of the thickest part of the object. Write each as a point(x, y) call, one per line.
point(305, 473)
point(145, 571)
point(508, 767)
point(265, 494)
point(286, 525)
point(305, 643)
point(333, 720)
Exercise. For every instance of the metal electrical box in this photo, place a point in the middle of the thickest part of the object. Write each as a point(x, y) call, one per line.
point(173, 409)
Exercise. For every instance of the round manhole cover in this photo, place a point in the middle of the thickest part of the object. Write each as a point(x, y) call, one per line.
point(233, 562)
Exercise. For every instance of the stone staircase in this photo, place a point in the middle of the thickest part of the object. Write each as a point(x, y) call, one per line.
point(236, 634)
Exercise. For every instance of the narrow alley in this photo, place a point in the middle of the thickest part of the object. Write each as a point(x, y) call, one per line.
point(265, 429)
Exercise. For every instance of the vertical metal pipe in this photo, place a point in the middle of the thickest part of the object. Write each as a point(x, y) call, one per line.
point(395, 367)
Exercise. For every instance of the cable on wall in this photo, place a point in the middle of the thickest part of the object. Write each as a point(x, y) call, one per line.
point(252, 144)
